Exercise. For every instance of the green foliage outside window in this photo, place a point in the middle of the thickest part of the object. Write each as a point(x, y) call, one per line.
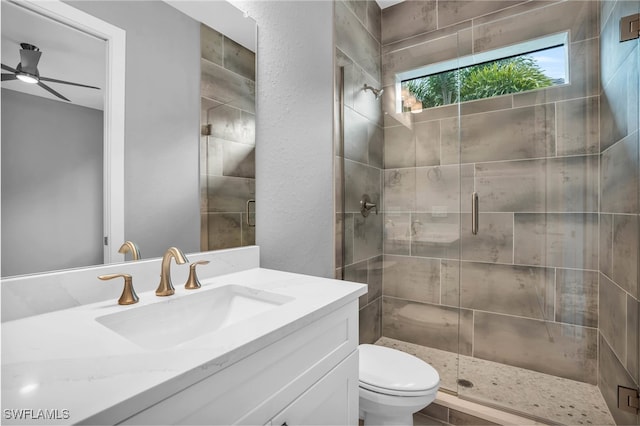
point(496, 78)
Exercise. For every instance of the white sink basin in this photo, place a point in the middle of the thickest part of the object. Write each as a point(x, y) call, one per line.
point(180, 319)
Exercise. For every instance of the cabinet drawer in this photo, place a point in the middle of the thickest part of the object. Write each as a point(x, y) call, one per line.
point(254, 389)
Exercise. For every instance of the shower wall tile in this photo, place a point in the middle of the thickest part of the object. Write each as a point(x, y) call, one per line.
point(371, 322)
point(428, 325)
point(516, 290)
point(625, 252)
point(578, 131)
point(397, 233)
point(227, 123)
point(360, 179)
point(427, 143)
point(374, 277)
point(355, 41)
point(510, 134)
point(397, 26)
point(239, 59)
point(577, 297)
point(614, 53)
point(613, 321)
point(365, 102)
point(227, 87)
point(613, 374)
point(350, 80)
point(568, 240)
point(606, 244)
point(463, 30)
point(357, 272)
point(619, 103)
point(375, 136)
point(356, 143)
point(248, 232)
point(453, 11)
point(239, 160)
point(399, 147)
point(225, 230)
point(367, 236)
point(580, 17)
point(412, 278)
point(435, 236)
point(583, 75)
point(374, 19)
point(494, 241)
point(439, 187)
point(565, 184)
point(229, 194)
point(348, 235)
point(619, 176)
point(633, 325)
point(486, 105)
point(214, 156)
point(400, 190)
point(442, 49)
point(211, 42)
point(559, 349)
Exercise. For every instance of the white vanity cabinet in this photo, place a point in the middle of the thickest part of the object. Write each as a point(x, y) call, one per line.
point(308, 377)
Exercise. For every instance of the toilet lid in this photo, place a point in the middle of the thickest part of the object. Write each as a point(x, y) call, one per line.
point(390, 371)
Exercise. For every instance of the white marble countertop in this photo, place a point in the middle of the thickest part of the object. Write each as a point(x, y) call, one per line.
point(68, 362)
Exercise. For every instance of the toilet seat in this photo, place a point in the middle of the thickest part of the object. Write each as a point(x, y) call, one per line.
point(392, 372)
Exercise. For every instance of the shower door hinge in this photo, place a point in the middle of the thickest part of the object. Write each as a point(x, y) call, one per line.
point(630, 27)
point(628, 399)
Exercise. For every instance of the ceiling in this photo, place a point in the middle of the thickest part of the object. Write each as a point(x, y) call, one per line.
point(67, 54)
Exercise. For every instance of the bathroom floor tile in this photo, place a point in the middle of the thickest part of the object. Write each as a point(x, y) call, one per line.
point(537, 395)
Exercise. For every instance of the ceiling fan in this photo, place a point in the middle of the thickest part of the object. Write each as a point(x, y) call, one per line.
point(27, 71)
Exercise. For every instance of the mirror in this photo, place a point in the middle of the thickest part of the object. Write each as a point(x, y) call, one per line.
point(171, 186)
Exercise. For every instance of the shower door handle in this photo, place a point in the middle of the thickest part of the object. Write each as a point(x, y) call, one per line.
point(474, 213)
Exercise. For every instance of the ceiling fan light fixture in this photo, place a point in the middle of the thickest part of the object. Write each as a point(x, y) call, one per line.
point(27, 78)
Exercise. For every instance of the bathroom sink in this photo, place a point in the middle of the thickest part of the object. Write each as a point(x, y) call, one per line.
point(181, 319)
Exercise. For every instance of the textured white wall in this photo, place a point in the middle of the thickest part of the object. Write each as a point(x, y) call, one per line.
point(294, 146)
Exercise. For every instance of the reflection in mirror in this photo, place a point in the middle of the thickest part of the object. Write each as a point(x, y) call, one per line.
point(175, 188)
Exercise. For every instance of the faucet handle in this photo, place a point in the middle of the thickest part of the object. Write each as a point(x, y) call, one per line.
point(193, 282)
point(129, 296)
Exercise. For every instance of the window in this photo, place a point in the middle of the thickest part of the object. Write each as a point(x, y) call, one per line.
point(526, 66)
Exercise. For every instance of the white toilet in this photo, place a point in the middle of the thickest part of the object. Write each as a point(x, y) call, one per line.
point(394, 385)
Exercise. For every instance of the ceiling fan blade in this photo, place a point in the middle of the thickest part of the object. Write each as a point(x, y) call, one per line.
point(7, 68)
point(53, 80)
point(53, 92)
point(8, 77)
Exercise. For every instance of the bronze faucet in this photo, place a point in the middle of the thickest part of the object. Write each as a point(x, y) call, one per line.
point(166, 288)
point(130, 246)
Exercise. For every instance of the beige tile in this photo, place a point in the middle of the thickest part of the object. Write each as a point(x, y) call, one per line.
point(620, 176)
point(558, 349)
point(625, 252)
point(248, 232)
point(420, 420)
point(568, 240)
point(577, 297)
point(427, 143)
point(355, 41)
point(494, 240)
point(370, 322)
point(580, 17)
point(239, 59)
point(633, 350)
point(612, 51)
point(374, 19)
point(376, 145)
point(612, 375)
point(459, 418)
point(436, 411)
point(412, 278)
point(211, 44)
point(428, 325)
point(225, 230)
point(566, 184)
point(367, 236)
point(486, 105)
point(462, 30)
point(348, 241)
point(364, 101)
point(399, 190)
point(511, 134)
point(397, 233)
point(239, 160)
point(606, 244)
point(356, 141)
point(435, 236)
point(577, 126)
point(517, 290)
point(453, 11)
point(613, 321)
point(374, 276)
point(399, 147)
point(407, 19)
point(619, 103)
point(361, 179)
point(227, 87)
point(229, 194)
point(439, 188)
